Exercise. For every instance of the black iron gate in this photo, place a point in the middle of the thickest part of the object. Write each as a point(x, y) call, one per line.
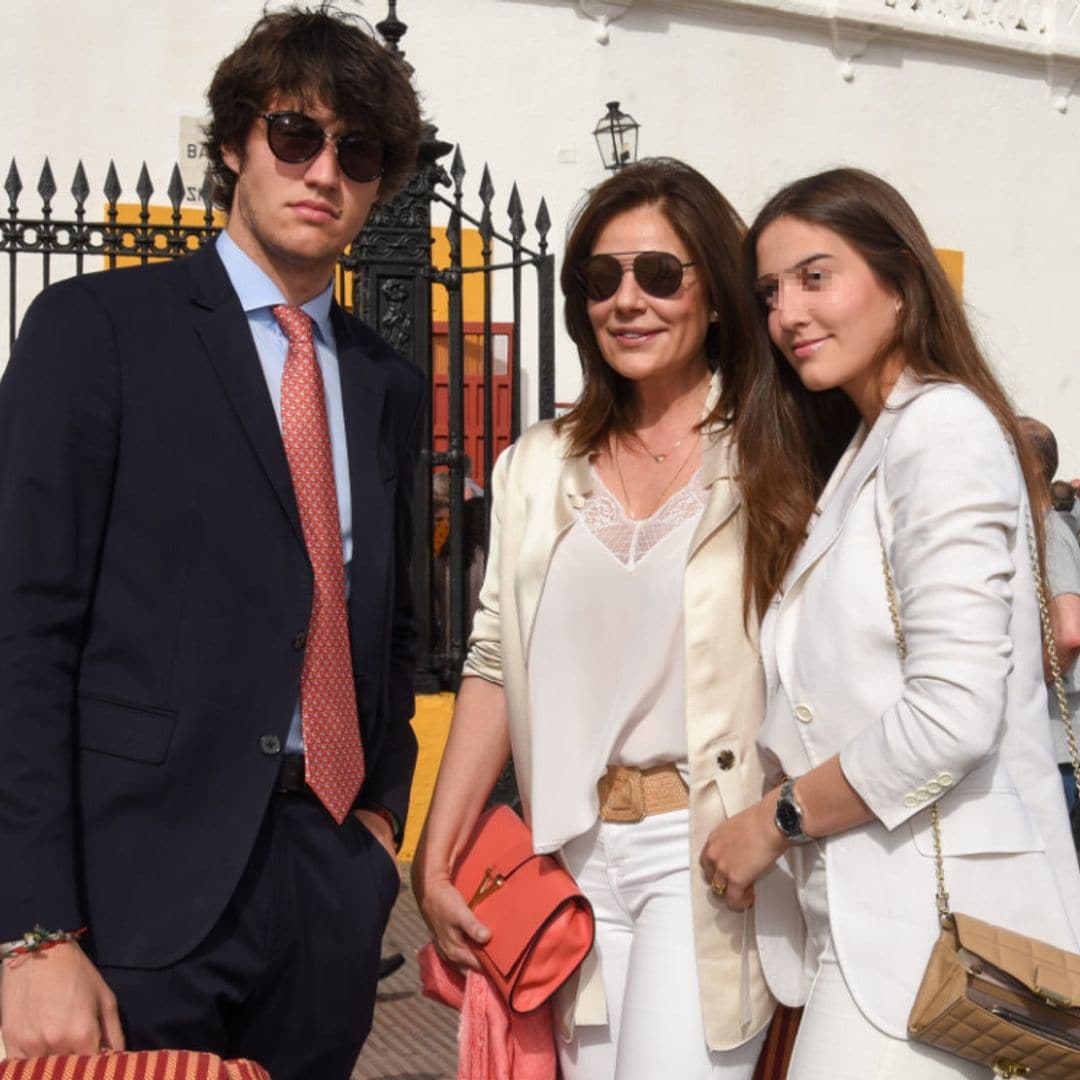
point(392, 292)
point(386, 277)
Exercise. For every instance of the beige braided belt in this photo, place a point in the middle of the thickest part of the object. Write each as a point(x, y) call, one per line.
point(628, 793)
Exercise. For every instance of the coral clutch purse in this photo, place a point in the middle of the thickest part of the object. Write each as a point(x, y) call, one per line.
point(541, 925)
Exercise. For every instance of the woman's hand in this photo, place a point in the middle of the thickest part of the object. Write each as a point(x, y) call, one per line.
point(452, 924)
point(476, 751)
point(740, 850)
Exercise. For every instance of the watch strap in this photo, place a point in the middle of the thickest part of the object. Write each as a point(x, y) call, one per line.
point(789, 814)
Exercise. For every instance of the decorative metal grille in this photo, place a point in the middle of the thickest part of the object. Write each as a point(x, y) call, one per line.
point(80, 236)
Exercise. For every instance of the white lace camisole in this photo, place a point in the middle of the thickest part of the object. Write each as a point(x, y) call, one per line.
point(607, 658)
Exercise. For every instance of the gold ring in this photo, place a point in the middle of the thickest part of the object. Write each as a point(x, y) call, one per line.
point(719, 889)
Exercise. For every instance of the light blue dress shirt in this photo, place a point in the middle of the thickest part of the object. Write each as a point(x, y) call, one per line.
point(258, 295)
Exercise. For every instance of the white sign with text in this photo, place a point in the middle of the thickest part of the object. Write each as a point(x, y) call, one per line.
point(192, 158)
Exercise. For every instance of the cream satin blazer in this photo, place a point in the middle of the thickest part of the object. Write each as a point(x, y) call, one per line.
point(536, 490)
point(963, 722)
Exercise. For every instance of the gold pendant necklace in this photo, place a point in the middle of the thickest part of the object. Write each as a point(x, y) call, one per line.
point(661, 458)
point(667, 487)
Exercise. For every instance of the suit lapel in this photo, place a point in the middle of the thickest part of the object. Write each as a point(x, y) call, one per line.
point(544, 531)
point(717, 476)
point(857, 465)
point(362, 392)
point(223, 329)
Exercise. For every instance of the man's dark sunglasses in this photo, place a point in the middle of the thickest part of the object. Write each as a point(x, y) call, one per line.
point(294, 138)
point(659, 273)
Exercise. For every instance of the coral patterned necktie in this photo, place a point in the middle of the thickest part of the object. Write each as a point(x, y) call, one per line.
point(333, 754)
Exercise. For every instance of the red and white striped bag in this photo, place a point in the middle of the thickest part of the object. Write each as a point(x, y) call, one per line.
point(132, 1065)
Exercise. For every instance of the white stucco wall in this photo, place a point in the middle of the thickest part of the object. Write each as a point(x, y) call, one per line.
point(753, 99)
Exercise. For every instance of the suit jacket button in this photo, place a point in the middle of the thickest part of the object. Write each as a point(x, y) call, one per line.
point(299, 641)
point(910, 800)
point(804, 713)
point(725, 759)
point(945, 779)
point(270, 745)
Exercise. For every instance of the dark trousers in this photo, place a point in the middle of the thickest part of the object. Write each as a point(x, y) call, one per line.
point(287, 976)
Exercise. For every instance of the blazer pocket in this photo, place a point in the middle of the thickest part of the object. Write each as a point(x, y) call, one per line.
point(122, 730)
point(992, 822)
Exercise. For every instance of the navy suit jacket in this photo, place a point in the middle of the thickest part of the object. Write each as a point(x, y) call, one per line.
point(154, 593)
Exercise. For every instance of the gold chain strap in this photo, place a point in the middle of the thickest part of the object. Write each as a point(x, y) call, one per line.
point(941, 895)
point(1051, 653)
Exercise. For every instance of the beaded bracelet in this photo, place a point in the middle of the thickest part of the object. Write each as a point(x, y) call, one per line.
point(38, 940)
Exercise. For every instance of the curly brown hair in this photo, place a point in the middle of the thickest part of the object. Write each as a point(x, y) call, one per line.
point(313, 56)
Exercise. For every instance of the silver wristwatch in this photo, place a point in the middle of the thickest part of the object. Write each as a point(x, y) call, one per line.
point(789, 815)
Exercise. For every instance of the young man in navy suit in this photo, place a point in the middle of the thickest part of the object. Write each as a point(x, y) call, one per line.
point(206, 624)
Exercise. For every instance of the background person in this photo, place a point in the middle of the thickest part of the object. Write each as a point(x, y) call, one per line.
point(610, 640)
point(472, 520)
point(199, 462)
point(1063, 590)
point(1065, 503)
point(1062, 497)
point(855, 301)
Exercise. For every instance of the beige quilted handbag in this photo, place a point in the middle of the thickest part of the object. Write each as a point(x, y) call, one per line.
point(1005, 1000)
point(1002, 999)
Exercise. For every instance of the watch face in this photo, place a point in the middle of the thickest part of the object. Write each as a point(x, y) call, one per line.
point(788, 818)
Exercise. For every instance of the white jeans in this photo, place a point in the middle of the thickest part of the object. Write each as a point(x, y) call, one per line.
point(637, 877)
point(836, 1042)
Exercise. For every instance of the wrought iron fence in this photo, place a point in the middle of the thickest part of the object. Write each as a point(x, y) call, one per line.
point(386, 277)
point(65, 244)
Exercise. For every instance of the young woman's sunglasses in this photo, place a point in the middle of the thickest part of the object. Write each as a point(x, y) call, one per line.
point(294, 138)
point(659, 273)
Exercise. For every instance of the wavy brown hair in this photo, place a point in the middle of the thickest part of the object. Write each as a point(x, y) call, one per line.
point(789, 438)
point(313, 56)
point(712, 231)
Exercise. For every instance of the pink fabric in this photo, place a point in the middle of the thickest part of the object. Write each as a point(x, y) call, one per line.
point(493, 1042)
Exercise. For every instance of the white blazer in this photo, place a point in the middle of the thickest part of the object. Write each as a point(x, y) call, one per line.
point(536, 490)
point(963, 721)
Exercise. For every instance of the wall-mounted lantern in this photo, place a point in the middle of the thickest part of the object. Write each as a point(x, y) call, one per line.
point(616, 138)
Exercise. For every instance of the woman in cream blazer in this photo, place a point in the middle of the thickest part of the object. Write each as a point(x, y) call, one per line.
point(724, 691)
point(546, 571)
point(931, 483)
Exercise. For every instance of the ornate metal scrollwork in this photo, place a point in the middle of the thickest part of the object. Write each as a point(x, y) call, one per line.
point(395, 313)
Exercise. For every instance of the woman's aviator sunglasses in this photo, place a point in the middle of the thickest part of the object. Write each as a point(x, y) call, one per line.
point(295, 138)
point(658, 273)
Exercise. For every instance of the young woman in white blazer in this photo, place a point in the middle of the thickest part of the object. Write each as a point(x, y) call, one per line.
point(610, 639)
point(839, 863)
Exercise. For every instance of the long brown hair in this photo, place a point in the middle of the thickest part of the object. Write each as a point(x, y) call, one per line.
point(712, 231)
point(788, 437)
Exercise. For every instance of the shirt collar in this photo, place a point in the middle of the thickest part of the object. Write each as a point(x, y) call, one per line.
point(257, 292)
